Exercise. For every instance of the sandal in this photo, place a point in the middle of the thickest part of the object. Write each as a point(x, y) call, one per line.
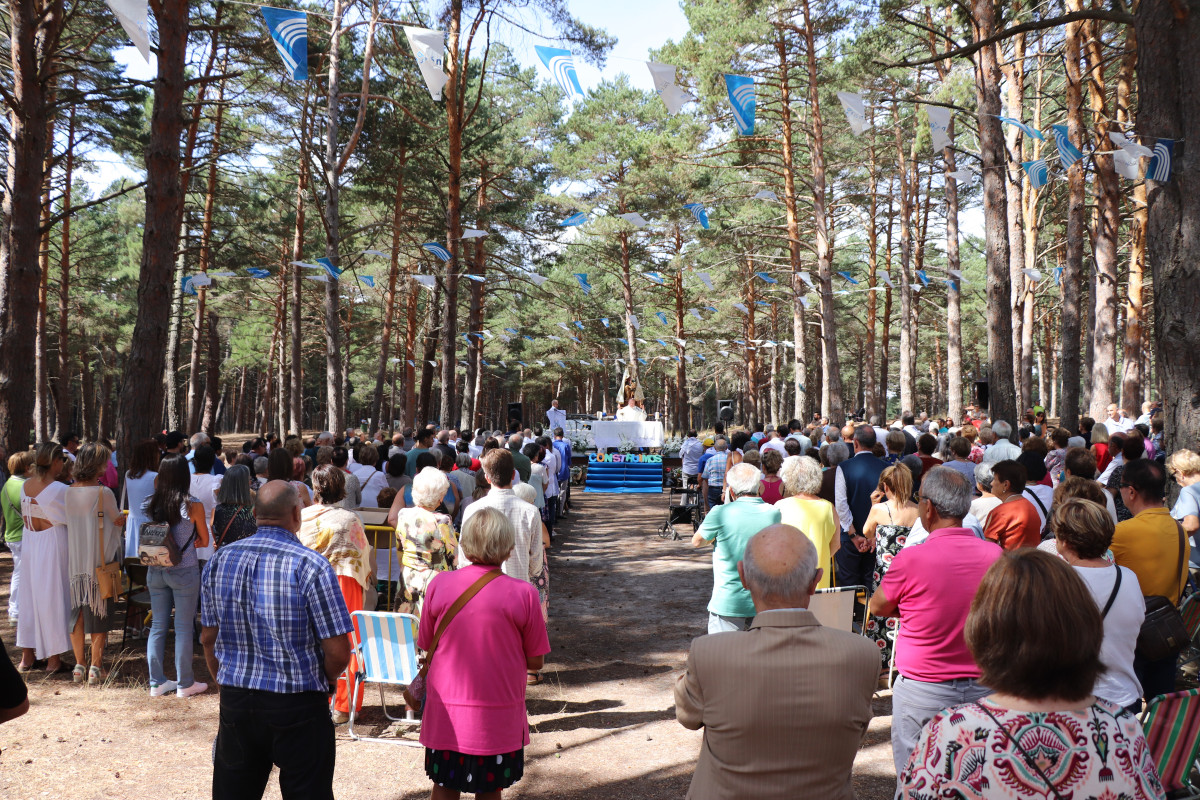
point(533, 678)
point(94, 676)
point(77, 674)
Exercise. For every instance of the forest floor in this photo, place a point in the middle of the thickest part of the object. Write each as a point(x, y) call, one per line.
point(624, 606)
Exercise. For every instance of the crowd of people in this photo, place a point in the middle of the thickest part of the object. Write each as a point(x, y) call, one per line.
point(1008, 583)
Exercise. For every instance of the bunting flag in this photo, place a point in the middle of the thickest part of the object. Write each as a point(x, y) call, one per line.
point(633, 218)
point(883, 276)
point(952, 284)
point(578, 218)
point(956, 273)
point(429, 48)
point(939, 127)
point(604, 321)
point(317, 278)
point(561, 364)
point(1038, 172)
point(289, 30)
point(186, 285)
point(699, 212)
point(1033, 274)
point(257, 272)
point(641, 361)
point(1129, 146)
point(561, 65)
point(846, 275)
point(661, 317)
point(672, 95)
point(654, 277)
point(1068, 153)
point(1058, 271)
point(767, 278)
point(579, 324)
point(1159, 168)
point(916, 287)
point(428, 281)
point(804, 302)
point(741, 307)
point(476, 278)
point(329, 267)
point(623, 340)
point(374, 253)
point(963, 175)
point(706, 279)
point(633, 320)
point(438, 250)
point(412, 363)
point(766, 194)
point(538, 280)
point(133, 18)
point(369, 280)
point(1126, 164)
point(563, 325)
point(856, 115)
point(696, 314)
point(741, 99)
point(474, 233)
point(762, 303)
point(662, 343)
point(1028, 131)
point(513, 331)
point(583, 282)
point(923, 277)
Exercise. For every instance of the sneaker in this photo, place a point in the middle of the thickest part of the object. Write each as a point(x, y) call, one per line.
point(163, 688)
point(339, 717)
point(195, 688)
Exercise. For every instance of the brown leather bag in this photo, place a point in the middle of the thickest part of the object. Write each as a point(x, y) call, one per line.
point(108, 575)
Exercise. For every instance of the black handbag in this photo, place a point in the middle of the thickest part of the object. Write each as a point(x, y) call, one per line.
point(1163, 632)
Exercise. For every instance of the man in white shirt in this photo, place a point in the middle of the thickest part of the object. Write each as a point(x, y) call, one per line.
point(774, 442)
point(910, 425)
point(1003, 449)
point(526, 521)
point(556, 416)
point(1117, 420)
point(1147, 413)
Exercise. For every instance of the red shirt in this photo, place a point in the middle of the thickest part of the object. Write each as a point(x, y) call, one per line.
point(1014, 523)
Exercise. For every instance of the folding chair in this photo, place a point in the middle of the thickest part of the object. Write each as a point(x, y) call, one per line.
point(385, 645)
point(1190, 611)
point(834, 608)
point(1172, 726)
point(387, 557)
point(137, 595)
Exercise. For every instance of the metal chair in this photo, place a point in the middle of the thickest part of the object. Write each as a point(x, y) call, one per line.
point(1171, 723)
point(385, 646)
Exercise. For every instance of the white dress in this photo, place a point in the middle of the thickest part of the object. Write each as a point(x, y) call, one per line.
point(45, 590)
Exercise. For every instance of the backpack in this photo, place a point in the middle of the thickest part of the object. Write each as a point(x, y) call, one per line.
point(158, 548)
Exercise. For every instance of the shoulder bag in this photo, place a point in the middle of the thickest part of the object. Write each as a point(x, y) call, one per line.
point(414, 693)
point(1046, 534)
point(108, 574)
point(1163, 632)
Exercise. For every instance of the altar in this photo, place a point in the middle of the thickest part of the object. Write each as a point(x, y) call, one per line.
point(607, 433)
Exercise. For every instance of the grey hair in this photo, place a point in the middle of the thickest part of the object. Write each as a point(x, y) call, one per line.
point(744, 480)
point(260, 465)
point(948, 491)
point(463, 460)
point(235, 486)
point(429, 487)
point(983, 476)
point(800, 475)
point(1002, 429)
point(792, 586)
point(526, 492)
point(838, 452)
point(198, 439)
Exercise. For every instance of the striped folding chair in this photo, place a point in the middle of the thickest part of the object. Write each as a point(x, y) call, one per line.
point(385, 645)
point(1190, 611)
point(1172, 726)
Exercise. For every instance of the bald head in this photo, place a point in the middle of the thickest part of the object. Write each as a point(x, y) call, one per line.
point(278, 503)
point(779, 568)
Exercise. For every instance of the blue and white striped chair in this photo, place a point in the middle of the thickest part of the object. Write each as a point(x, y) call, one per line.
point(385, 645)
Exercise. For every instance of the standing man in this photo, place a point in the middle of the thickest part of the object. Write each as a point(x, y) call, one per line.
point(525, 519)
point(690, 454)
point(521, 462)
point(563, 448)
point(784, 705)
point(930, 587)
point(712, 478)
point(855, 480)
point(423, 443)
point(275, 637)
point(556, 416)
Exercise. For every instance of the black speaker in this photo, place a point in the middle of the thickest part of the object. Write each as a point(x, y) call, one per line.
point(981, 394)
point(515, 413)
point(725, 410)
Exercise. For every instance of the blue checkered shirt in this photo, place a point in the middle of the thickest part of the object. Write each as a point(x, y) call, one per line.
point(714, 470)
point(272, 601)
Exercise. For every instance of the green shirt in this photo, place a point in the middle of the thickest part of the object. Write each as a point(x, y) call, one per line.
point(410, 460)
point(10, 502)
point(732, 525)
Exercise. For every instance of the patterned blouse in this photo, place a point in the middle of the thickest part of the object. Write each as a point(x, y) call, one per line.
point(1097, 754)
point(338, 535)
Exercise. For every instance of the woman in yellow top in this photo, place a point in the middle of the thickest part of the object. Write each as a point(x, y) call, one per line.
point(802, 508)
point(426, 536)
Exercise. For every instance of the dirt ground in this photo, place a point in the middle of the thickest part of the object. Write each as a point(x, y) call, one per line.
point(624, 605)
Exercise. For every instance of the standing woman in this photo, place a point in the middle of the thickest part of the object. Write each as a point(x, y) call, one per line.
point(369, 476)
point(426, 536)
point(139, 485)
point(45, 578)
point(175, 587)
point(887, 527)
point(772, 484)
point(233, 517)
point(474, 726)
point(337, 534)
point(280, 467)
point(10, 503)
point(803, 509)
point(93, 539)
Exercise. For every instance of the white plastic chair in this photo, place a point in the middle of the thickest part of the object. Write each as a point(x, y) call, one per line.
point(386, 647)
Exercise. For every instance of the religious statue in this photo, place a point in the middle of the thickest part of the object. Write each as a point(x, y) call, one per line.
point(632, 403)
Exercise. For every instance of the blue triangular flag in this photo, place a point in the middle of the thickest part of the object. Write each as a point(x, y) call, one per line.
point(661, 317)
point(438, 250)
point(578, 218)
point(561, 66)
point(641, 361)
point(329, 268)
point(923, 277)
point(289, 31)
point(699, 212)
point(1036, 134)
point(369, 280)
point(846, 275)
point(623, 340)
point(762, 303)
point(257, 272)
point(1037, 171)
point(185, 285)
point(583, 282)
point(661, 342)
point(561, 364)
point(1159, 168)
point(579, 324)
point(604, 321)
point(513, 331)
point(741, 98)
point(1068, 153)
point(655, 278)
point(766, 277)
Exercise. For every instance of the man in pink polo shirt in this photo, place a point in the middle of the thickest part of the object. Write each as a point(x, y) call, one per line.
point(930, 587)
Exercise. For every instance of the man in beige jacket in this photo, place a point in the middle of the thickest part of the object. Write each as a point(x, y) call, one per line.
point(785, 704)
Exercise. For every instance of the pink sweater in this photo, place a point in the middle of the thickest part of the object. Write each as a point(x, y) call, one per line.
point(475, 697)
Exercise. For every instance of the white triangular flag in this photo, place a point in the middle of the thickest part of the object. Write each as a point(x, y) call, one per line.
point(538, 280)
point(804, 302)
point(939, 127)
point(634, 218)
point(201, 279)
point(852, 102)
point(1130, 146)
point(672, 95)
point(963, 175)
point(474, 233)
point(1033, 274)
point(428, 281)
point(1126, 164)
point(633, 320)
point(429, 48)
point(132, 14)
point(741, 307)
point(766, 194)
point(706, 279)
point(883, 276)
point(321, 278)
point(373, 253)
point(804, 276)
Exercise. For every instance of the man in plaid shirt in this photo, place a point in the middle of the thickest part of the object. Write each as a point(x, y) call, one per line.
point(275, 638)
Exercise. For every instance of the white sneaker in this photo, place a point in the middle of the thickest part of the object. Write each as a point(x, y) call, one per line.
point(195, 688)
point(163, 688)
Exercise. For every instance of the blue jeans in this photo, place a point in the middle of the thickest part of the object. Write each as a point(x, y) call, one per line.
point(916, 702)
point(178, 589)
